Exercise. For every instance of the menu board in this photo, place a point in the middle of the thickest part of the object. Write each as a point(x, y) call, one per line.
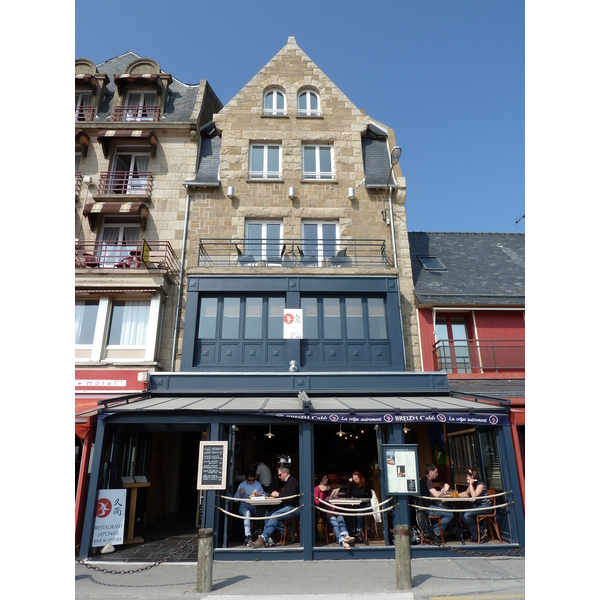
point(212, 466)
point(401, 468)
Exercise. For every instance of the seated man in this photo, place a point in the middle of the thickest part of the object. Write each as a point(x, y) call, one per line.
point(247, 487)
point(290, 488)
point(427, 489)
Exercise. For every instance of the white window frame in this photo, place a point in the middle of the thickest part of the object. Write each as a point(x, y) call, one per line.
point(268, 247)
point(134, 184)
point(324, 249)
point(318, 174)
point(308, 111)
point(135, 112)
point(83, 100)
point(100, 346)
point(274, 111)
point(264, 173)
point(122, 247)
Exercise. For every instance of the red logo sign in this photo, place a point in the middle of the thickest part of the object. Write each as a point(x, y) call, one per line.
point(103, 508)
point(288, 318)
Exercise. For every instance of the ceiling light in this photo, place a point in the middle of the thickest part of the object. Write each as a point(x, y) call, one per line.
point(269, 435)
point(340, 432)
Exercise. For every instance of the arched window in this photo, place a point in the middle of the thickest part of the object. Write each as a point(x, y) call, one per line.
point(274, 103)
point(309, 104)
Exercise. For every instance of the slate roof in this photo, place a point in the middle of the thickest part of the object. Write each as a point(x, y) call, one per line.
point(493, 388)
point(181, 97)
point(482, 269)
point(209, 157)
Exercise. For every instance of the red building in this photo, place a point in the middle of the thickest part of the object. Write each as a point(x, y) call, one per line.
point(470, 298)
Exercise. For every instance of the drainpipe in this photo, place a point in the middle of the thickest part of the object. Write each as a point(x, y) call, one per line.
point(181, 269)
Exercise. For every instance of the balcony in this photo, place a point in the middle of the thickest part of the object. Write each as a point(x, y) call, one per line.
point(125, 183)
point(479, 356)
point(136, 113)
point(292, 253)
point(84, 113)
point(142, 254)
point(78, 182)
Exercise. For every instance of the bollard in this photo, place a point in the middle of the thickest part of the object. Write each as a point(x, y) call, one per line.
point(402, 545)
point(205, 561)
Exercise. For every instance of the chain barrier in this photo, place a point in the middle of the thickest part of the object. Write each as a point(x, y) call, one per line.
point(515, 552)
point(94, 567)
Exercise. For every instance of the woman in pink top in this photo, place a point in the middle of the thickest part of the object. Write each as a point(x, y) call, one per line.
point(323, 492)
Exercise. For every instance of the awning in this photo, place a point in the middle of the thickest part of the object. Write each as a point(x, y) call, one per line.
point(92, 210)
point(327, 409)
point(82, 139)
point(86, 408)
point(137, 79)
point(106, 135)
point(89, 79)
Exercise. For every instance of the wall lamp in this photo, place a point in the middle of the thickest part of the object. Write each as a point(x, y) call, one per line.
point(230, 193)
point(351, 194)
point(291, 193)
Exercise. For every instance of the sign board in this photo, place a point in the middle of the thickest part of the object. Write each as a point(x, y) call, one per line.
point(109, 524)
point(212, 466)
point(401, 468)
point(292, 324)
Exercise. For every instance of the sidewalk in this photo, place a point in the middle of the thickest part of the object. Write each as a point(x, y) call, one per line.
point(500, 578)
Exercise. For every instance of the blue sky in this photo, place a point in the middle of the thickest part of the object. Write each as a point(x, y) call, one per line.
point(447, 76)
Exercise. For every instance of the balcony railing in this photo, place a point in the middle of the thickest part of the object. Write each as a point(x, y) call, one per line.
point(78, 181)
point(142, 254)
point(136, 113)
point(479, 356)
point(84, 113)
point(292, 252)
point(125, 182)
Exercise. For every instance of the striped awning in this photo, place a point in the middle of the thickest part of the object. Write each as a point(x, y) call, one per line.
point(128, 79)
point(92, 210)
point(106, 135)
point(89, 79)
point(82, 139)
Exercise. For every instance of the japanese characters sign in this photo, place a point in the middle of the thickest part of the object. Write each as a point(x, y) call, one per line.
point(109, 524)
point(292, 324)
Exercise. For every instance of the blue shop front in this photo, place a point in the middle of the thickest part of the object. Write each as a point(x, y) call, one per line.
point(335, 400)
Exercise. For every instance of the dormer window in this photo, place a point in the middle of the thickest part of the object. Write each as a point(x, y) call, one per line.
point(141, 106)
point(309, 104)
point(84, 109)
point(274, 103)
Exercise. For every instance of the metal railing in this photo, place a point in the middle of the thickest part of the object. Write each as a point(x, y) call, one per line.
point(125, 182)
point(479, 356)
point(141, 254)
point(292, 252)
point(84, 113)
point(78, 182)
point(136, 113)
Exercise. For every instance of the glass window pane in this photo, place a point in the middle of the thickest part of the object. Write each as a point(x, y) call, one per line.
point(354, 319)
point(253, 323)
point(269, 101)
point(309, 167)
point(275, 323)
point(231, 318)
point(86, 312)
point(332, 324)
point(273, 161)
point(310, 237)
point(128, 323)
point(207, 328)
point(257, 158)
point(311, 318)
point(302, 101)
point(325, 161)
point(280, 101)
point(314, 101)
point(273, 239)
point(377, 321)
point(329, 233)
point(253, 245)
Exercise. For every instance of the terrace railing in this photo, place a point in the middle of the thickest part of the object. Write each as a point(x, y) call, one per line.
point(125, 182)
point(136, 113)
point(479, 356)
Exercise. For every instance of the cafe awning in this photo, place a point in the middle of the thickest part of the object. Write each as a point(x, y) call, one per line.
point(323, 408)
point(147, 135)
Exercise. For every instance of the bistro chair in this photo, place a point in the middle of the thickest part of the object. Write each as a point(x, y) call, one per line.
point(439, 521)
point(491, 521)
point(293, 530)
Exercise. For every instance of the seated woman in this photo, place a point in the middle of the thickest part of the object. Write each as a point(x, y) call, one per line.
point(359, 488)
point(477, 490)
point(323, 492)
point(245, 489)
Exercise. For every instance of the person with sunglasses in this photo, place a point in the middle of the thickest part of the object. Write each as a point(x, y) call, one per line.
point(478, 490)
point(248, 487)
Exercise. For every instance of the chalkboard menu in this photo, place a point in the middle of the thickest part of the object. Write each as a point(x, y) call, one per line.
point(212, 466)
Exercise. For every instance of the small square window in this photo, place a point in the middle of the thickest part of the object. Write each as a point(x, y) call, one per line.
point(431, 263)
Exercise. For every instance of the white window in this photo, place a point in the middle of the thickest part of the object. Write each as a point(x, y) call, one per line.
point(317, 162)
point(83, 106)
point(309, 104)
point(265, 161)
point(141, 106)
point(319, 239)
point(263, 240)
point(119, 241)
point(130, 173)
point(274, 103)
point(114, 330)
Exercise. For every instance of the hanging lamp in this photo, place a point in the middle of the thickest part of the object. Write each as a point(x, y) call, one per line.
point(269, 435)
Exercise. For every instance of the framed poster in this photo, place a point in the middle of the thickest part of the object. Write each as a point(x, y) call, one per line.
point(212, 466)
point(401, 468)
